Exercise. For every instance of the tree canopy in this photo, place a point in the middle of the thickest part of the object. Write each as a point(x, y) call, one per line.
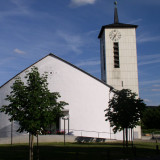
point(32, 104)
point(124, 111)
point(151, 118)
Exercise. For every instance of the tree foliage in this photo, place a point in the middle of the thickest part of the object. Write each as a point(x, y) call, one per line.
point(151, 118)
point(32, 104)
point(124, 110)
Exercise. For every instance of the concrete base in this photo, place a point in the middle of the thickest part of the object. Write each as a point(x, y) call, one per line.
point(52, 138)
point(41, 138)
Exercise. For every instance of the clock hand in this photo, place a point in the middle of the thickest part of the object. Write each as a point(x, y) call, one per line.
point(114, 36)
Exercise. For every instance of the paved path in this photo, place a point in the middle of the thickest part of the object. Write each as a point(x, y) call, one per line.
point(149, 158)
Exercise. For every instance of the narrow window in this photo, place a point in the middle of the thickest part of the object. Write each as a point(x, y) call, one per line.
point(116, 54)
point(104, 59)
point(122, 83)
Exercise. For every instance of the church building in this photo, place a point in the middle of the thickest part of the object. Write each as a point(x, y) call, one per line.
point(86, 95)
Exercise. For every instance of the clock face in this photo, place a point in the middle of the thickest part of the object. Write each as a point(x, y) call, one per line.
point(115, 35)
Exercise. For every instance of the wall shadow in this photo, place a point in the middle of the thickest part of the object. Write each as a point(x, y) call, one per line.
point(81, 139)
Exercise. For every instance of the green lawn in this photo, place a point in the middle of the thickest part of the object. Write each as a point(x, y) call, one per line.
point(73, 151)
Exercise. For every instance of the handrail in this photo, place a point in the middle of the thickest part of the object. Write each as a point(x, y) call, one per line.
point(89, 131)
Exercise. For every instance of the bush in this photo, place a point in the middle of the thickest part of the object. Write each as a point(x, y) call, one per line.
point(60, 132)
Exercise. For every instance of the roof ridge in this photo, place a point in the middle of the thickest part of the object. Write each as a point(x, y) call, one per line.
point(22, 71)
point(53, 55)
point(80, 69)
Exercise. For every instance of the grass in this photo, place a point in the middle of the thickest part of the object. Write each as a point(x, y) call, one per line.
point(84, 151)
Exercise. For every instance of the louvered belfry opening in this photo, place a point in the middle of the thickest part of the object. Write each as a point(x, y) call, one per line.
point(116, 54)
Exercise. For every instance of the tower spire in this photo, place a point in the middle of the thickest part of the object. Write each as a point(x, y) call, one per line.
point(116, 20)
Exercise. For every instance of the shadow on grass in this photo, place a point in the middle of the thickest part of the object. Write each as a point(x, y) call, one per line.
point(87, 151)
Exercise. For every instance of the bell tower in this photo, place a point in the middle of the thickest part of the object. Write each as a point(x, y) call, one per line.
point(119, 54)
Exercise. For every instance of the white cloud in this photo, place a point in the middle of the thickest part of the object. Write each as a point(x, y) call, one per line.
point(93, 32)
point(147, 100)
point(135, 21)
point(149, 2)
point(18, 7)
point(156, 90)
point(77, 3)
point(148, 59)
point(18, 3)
point(149, 82)
point(72, 42)
point(16, 50)
point(6, 60)
point(147, 38)
point(21, 6)
point(149, 56)
point(95, 71)
point(149, 62)
point(88, 63)
point(156, 85)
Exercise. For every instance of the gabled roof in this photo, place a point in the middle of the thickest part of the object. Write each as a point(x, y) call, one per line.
point(52, 55)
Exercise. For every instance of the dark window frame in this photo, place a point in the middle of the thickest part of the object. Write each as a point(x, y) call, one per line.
point(104, 58)
point(116, 55)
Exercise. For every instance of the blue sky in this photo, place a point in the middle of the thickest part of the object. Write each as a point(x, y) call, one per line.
point(31, 29)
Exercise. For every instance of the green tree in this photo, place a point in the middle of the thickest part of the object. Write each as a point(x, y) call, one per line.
point(151, 118)
point(32, 104)
point(124, 111)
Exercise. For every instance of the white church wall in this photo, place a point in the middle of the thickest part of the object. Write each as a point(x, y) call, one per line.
point(87, 98)
point(5, 125)
point(128, 72)
point(126, 76)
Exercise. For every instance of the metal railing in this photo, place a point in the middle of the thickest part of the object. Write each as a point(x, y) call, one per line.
point(97, 134)
point(9, 136)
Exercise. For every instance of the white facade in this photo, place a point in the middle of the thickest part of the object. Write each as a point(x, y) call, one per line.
point(126, 76)
point(87, 97)
point(119, 57)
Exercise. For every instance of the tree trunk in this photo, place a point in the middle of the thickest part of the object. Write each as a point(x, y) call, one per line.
point(132, 137)
point(31, 142)
point(123, 137)
point(126, 137)
point(30, 146)
point(129, 135)
point(37, 148)
point(11, 133)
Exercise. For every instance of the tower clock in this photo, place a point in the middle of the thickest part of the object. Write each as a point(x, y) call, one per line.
point(119, 54)
point(119, 57)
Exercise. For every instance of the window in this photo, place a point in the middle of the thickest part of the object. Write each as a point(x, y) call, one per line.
point(104, 59)
point(116, 54)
